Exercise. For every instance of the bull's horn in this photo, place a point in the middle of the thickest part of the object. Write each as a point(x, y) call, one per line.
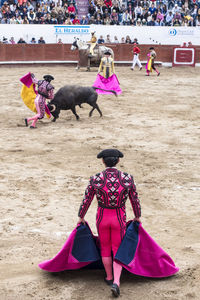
point(54, 107)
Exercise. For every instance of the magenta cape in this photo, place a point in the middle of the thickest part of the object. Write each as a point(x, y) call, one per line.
point(138, 253)
point(29, 94)
point(27, 80)
point(79, 250)
point(141, 255)
point(110, 83)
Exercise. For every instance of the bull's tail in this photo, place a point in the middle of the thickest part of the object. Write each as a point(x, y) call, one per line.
point(111, 91)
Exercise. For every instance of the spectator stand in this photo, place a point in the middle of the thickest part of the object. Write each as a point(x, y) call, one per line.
point(106, 12)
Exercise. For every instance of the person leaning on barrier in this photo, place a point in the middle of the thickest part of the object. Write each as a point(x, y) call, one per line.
point(41, 40)
point(101, 40)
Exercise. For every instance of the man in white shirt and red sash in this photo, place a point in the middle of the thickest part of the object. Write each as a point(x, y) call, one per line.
point(136, 52)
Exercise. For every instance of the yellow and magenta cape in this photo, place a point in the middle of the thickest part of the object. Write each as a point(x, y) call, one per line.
point(29, 93)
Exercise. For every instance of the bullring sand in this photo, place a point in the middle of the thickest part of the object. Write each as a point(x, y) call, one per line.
point(44, 172)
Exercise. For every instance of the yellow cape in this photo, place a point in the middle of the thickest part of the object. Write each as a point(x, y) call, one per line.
point(28, 96)
point(149, 66)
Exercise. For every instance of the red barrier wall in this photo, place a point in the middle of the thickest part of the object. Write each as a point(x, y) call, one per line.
point(56, 52)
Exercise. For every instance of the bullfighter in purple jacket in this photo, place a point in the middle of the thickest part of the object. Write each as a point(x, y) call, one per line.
point(45, 91)
point(112, 188)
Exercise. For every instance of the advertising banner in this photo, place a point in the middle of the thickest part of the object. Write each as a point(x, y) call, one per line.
point(145, 34)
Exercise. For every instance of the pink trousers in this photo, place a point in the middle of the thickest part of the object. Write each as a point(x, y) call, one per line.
point(111, 226)
point(40, 107)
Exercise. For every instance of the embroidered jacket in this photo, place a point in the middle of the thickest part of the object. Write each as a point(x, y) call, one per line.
point(45, 89)
point(107, 65)
point(112, 188)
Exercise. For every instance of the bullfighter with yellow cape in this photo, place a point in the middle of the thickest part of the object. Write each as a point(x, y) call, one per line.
point(35, 100)
point(150, 62)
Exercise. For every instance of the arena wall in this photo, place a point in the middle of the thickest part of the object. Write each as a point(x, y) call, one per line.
point(61, 53)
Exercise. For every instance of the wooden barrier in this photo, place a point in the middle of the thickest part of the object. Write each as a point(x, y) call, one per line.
point(56, 53)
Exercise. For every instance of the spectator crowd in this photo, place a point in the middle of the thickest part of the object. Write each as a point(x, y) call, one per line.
point(22, 41)
point(102, 12)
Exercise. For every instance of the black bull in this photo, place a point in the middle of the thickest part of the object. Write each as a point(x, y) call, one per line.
point(69, 96)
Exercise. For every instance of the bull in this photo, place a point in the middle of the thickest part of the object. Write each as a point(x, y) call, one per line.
point(69, 96)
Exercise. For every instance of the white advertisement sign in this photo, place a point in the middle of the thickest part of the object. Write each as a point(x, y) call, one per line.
point(144, 34)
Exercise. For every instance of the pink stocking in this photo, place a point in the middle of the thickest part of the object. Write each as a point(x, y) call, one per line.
point(107, 262)
point(34, 122)
point(30, 119)
point(117, 272)
point(35, 118)
point(156, 71)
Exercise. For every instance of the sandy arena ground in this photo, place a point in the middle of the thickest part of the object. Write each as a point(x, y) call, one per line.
point(44, 172)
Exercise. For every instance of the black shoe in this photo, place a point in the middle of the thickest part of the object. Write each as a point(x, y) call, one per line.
point(109, 282)
point(26, 122)
point(115, 290)
point(158, 74)
point(32, 127)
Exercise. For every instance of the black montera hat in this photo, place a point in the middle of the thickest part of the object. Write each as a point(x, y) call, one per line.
point(110, 153)
point(48, 77)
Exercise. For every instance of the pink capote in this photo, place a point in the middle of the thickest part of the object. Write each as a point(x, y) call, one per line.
point(64, 259)
point(27, 81)
point(150, 259)
point(110, 83)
